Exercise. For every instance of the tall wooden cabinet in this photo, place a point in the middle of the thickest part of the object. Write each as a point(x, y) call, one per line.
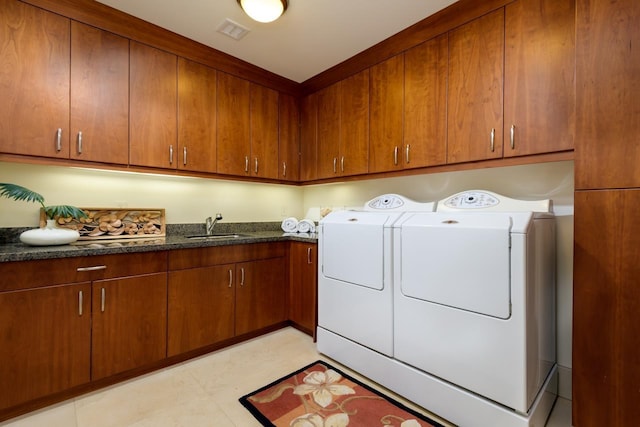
point(303, 283)
point(289, 142)
point(264, 112)
point(539, 85)
point(153, 107)
point(606, 296)
point(476, 74)
point(309, 137)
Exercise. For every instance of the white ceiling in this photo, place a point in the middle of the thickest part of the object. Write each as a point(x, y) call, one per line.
point(312, 35)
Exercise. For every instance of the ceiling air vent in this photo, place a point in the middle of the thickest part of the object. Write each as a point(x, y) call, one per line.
point(233, 29)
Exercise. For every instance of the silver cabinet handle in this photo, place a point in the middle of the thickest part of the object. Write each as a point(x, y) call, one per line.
point(80, 303)
point(59, 139)
point(92, 268)
point(513, 136)
point(284, 169)
point(230, 277)
point(493, 137)
point(171, 154)
point(103, 296)
point(407, 150)
point(335, 162)
point(395, 155)
point(342, 164)
point(80, 142)
point(242, 276)
point(246, 164)
point(309, 255)
point(256, 165)
point(184, 155)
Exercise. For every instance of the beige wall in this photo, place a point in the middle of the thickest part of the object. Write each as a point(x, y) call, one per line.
point(190, 200)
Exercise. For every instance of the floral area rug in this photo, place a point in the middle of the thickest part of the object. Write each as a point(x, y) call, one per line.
point(320, 395)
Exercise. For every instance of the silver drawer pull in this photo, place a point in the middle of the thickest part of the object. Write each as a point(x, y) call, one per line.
point(80, 142)
point(246, 164)
point(242, 276)
point(309, 255)
point(256, 165)
point(230, 277)
point(59, 139)
point(493, 137)
point(184, 156)
point(284, 169)
point(80, 304)
point(103, 296)
point(513, 136)
point(93, 268)
point(171, 154)
point(407, 151)
point(335, 162)
point(395, 155)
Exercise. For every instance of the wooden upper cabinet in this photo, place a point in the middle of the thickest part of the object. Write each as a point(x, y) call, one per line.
point(386, 92)
point(309, 138)
point(474, 113)
point(425, 104)
point(196, 117)
point(539, 94)
point(343, 127)
point(99, 95)
point(354, 124)
point(35, 51)
point(233, 135)
point(328, 131)
point(608, 101)
point(264, 132)
point(289, 144)
point(153, 107)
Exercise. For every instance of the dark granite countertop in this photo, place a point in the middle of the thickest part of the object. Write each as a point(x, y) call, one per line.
point(175, 239)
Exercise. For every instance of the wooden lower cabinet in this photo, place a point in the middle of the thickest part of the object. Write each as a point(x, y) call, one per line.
point(45, 341)
point(222, 292)
point(129, 323)
point(303, 282)
point(260, 294)
point(201, 307)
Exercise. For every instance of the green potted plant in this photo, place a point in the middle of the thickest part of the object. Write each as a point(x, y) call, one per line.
point(49, 235)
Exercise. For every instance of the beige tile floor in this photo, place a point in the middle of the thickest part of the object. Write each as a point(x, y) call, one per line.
point(202, 391)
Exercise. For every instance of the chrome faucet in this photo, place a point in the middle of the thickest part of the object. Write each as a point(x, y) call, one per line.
point(211, 223)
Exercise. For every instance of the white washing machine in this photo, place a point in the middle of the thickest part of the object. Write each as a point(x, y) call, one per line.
point(355, 297)
point(473, 312)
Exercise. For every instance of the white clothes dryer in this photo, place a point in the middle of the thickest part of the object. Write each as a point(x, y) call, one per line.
point(475, 295)
point(355, 298)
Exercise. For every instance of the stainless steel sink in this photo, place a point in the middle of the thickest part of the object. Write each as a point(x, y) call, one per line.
point(216, 236)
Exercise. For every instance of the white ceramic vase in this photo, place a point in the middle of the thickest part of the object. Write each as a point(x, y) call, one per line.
point(50, 235)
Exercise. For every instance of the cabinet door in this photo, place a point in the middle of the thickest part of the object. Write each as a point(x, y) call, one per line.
point(387, 103)
point(608, 105)
point(264, 132)
point(129, 323)
point(234, 143)
point(309, 138)
point(425, 104)
point(153, 111)
point(354, 124)
point(45, 337)
point(201, 307)
point(303, 285)
point(539, 94)
point(289, 144)
point(99, 95)
point(260, 294)
point(606, 303)
point(474, 112)
point(196, 117)
point(34, 81)
point(328, 131)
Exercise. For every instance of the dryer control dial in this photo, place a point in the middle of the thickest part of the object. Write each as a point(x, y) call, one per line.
point(386, 201)
point(472, 200)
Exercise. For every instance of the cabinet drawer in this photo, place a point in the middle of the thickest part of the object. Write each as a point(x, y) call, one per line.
point(205, 257)
point(48, 272)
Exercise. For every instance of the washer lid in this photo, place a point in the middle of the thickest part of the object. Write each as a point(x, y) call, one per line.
point(458, 260)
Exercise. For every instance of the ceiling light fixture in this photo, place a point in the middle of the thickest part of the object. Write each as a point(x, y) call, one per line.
point(264, 10)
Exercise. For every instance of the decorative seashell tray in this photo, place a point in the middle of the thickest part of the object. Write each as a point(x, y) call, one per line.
point(115, 223)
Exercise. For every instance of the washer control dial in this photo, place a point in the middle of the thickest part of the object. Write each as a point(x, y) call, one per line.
point(386, 201)
point(471, 200)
